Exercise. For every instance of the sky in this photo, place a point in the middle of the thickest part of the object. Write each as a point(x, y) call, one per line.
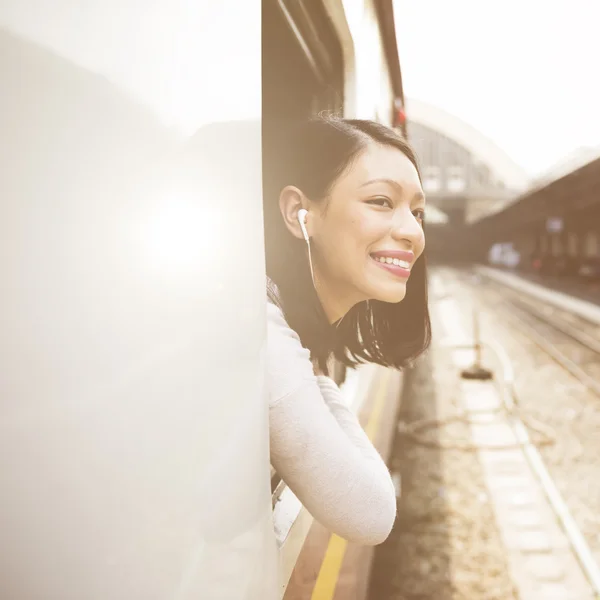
point(526, 73)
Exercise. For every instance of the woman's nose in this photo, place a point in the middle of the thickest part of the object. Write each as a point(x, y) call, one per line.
point(406, 227)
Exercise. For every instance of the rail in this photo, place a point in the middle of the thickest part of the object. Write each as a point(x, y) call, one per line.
point(511, 404)
point(576, 539)
point(524, 313)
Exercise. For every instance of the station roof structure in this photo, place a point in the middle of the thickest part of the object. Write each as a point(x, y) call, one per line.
point(481, 147)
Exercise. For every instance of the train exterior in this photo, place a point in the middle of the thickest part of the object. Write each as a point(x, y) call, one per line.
point(135, 429)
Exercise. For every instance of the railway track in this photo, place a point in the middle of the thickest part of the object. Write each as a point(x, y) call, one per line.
point(573, 342)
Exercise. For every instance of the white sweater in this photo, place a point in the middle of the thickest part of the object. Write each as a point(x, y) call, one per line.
point(318, 446)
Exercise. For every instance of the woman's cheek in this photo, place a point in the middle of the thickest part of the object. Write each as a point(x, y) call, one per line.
point(422, 241)
point(370, 229)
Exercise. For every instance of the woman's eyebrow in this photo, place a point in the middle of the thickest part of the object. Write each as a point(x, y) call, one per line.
point(383, 180)
point(393, 183)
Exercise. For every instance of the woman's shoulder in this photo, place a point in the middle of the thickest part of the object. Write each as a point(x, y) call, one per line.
point(278, 328)
point(273, 295)
point(288, 361)
point(275, 316)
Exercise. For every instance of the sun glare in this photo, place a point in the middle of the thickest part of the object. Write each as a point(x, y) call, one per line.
point(180, 233)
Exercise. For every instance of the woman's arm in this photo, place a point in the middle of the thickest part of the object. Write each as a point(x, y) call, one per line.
point(319, 448)
point(347, 420)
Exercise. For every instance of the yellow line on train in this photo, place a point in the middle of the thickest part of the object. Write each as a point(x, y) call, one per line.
point(336, 549)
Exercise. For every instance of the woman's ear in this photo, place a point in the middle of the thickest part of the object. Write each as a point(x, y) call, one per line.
point(291, 200)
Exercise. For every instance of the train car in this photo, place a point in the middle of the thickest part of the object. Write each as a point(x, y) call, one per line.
point(134, 424)
point(134, 428)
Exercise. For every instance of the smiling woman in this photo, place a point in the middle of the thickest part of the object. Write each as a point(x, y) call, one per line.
point(359, 183)
point(344, 211)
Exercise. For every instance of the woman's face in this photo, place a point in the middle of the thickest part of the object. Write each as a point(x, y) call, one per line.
point(367, 235)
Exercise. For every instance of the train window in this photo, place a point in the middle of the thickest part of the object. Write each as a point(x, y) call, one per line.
point(591, 244)
point(483, 175)
point(456, 179)
point(431, 179)
point(556, 245)
point(572, 243)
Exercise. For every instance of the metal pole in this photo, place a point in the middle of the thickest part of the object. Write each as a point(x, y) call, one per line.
point(476, 371)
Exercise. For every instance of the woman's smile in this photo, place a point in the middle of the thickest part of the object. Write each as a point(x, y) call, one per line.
point(396, 262)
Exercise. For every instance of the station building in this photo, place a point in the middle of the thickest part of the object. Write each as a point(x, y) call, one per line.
point(465, 177)
point(554, 226)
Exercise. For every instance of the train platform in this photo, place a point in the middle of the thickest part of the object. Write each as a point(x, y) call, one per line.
point(563, 296)
point(475, 521)
point(573, 285)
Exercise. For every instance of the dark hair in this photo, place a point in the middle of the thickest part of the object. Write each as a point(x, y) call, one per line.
point(312, 157)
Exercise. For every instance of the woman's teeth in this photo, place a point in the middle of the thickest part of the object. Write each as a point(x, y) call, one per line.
point(393, 261)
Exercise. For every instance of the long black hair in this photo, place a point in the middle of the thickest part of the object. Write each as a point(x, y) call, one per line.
point(314, 154)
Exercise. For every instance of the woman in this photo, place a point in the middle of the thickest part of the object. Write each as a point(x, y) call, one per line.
point(344, 211)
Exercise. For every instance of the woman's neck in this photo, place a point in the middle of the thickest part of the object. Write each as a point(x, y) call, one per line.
point(335, 304)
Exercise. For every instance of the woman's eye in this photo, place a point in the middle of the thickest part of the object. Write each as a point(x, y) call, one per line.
point(380, 201)
point(419, 214)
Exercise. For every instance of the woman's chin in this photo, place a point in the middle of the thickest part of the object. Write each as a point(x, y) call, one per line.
point(391, 294)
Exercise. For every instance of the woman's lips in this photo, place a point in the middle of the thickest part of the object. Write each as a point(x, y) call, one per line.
point(398, 270)
point(404, 255)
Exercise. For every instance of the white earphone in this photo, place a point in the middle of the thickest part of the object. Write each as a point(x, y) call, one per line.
point(302, 220)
